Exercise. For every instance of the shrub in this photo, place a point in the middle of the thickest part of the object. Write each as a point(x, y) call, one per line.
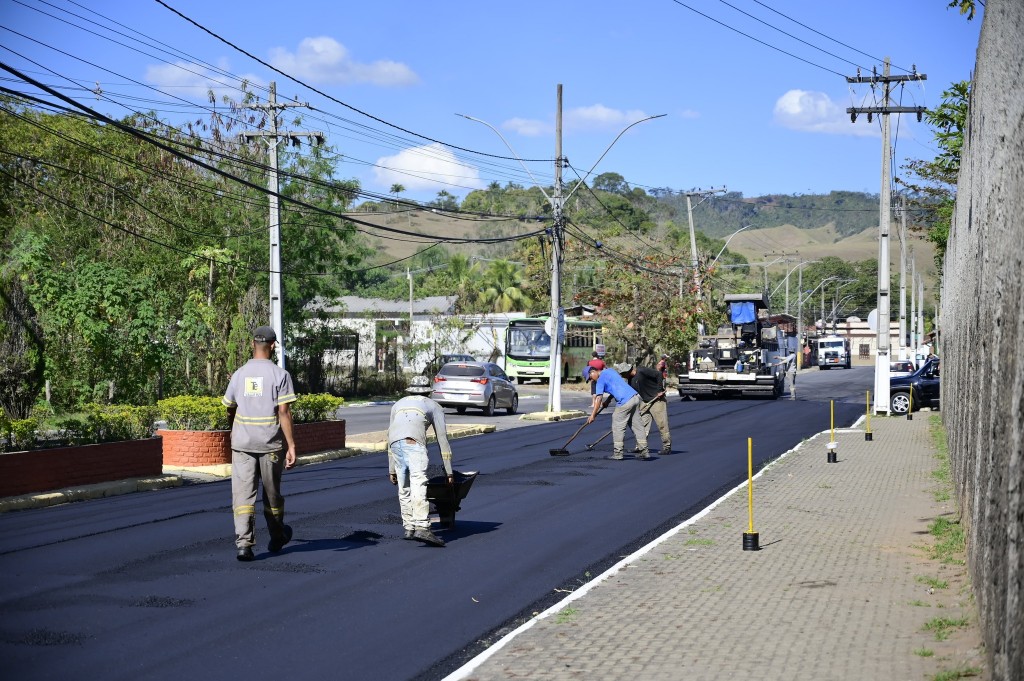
point(187, 412)
point(319, 407)
point(101, 423)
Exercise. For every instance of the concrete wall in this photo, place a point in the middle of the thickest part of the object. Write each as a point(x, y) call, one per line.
point(982, 336)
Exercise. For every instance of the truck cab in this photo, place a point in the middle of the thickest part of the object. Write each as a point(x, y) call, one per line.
point(832, 351)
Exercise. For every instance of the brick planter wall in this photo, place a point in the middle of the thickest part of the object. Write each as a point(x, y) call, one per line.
point(319, 436)
point(42, 470)
point(188, 448)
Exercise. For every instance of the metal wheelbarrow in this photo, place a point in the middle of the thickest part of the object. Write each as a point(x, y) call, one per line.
point(446, 498)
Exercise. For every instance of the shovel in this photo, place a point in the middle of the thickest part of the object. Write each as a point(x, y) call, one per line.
point(564, 451)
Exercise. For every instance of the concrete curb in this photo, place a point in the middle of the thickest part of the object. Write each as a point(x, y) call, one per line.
point(377, 441)
point(83, 492)
point(553, 415)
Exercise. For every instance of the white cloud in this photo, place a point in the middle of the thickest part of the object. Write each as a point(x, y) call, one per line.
point(428, 167)
point(689, 114)
point(528, 127)
point(816, 112)
point(325, 60)
point(600, 117)
point(187, 80)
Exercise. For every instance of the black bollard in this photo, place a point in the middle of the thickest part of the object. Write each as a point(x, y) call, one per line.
point(750, 541)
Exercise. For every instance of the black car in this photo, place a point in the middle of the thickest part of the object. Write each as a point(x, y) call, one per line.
point(920, 389)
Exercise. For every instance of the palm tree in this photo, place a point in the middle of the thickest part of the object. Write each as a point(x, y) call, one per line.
point(503, 288)
point(465, 275)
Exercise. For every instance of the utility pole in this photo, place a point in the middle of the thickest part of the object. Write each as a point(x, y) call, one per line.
point(904, 246)
point(693, 237)
point(557, 230)
point(884, 210)
point(273, 136)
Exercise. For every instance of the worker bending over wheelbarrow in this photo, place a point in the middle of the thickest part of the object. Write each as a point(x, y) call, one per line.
point(610, 385)
point(407, 457)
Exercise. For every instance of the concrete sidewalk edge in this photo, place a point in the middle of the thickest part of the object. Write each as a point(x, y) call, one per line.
point(467, 669)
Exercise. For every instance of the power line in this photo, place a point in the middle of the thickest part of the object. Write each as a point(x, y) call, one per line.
point(877, 59)
point(747, 35)
point(338, 101)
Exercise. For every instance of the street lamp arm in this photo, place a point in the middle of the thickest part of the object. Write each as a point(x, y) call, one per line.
point(535, 181)
point(587, 174)
point(726, 244)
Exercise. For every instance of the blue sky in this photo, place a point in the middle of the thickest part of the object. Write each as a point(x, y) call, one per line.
point(737, 112)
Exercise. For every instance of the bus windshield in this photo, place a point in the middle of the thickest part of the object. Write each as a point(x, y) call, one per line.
point(528, 341)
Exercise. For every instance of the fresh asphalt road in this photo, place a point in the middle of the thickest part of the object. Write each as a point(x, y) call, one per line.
point(146, 585)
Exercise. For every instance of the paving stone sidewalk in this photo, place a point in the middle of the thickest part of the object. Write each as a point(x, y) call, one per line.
point(837, 591)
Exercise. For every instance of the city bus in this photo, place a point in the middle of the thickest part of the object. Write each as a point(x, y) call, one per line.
point(528, 348)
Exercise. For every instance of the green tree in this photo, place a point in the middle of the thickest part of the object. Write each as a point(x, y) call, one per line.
point(502, 288)
point(933, 186)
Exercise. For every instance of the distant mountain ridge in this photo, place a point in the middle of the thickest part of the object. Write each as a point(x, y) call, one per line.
point(847, 212)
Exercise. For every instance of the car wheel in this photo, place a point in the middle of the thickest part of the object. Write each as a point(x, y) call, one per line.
point(899, 403)
point(514, 406)
point(489, 409)
point(460, 410)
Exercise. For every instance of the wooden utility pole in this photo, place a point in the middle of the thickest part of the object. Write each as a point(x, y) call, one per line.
point(273, 137)
point(884, 214)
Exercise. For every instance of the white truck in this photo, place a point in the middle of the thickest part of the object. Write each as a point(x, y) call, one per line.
point(832, 351)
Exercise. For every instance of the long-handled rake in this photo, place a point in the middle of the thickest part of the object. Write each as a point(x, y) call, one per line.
point(564, 451)
point(591, 446)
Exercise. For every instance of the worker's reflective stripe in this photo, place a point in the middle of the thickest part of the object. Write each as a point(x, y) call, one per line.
point(245, 510)
point(256, 420)
point(276, 512)
point(284, 399)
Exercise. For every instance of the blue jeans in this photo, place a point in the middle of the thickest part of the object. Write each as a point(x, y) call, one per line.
point(410, 459)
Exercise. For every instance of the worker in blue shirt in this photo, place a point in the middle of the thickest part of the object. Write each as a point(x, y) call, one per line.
point(610, 385)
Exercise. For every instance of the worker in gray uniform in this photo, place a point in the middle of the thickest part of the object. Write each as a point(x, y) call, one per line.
point(258, 399)
point(407, 457)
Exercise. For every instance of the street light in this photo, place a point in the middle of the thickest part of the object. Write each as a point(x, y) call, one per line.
point(557, 202)
point(728, 239)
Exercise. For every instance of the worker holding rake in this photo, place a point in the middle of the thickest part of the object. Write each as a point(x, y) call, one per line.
point(610, 385)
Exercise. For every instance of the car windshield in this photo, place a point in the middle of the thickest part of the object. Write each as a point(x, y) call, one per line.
point(464, 370)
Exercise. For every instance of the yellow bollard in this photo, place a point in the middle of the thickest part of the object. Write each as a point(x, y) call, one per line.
point(750, 537)
point(831, 458)
point(867, 432)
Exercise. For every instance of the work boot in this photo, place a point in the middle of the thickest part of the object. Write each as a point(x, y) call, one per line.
point(409, 533)
point(245, 554)
point(666, 449)
point(427, 537)
point(644, 456)
point(616, 455)
point(277, 543)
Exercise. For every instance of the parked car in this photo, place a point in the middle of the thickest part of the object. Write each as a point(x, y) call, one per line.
point(920, 389)
point(903, 367)
point(434, 365)
point(481, 385)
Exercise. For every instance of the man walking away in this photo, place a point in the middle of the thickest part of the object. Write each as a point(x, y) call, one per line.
point(610, 385)
point(650, 383)
point(258, 399)
point(407, 457)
